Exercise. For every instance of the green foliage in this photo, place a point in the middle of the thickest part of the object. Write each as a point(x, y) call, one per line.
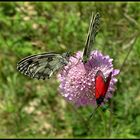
point(34, 109)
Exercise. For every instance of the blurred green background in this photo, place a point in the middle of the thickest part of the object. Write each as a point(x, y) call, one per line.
point(33, 108)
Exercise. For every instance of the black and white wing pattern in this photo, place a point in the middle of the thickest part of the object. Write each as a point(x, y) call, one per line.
point(93, 30)
point(43, 65)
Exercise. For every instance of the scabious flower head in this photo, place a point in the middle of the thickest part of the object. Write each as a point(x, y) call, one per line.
point(78, 79)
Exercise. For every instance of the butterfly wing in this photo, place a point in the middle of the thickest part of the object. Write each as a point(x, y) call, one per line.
point(41, 66)
point(93, 30)
point(101, 86)
point(108, 81)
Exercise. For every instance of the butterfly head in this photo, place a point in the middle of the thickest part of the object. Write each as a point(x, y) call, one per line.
point(66, 55)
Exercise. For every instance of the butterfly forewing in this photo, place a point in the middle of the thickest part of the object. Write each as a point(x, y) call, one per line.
point(42, 66)
point(93, 30)
point(99, 85)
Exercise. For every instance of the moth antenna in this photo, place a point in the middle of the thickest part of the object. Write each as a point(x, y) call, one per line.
point(93, 113)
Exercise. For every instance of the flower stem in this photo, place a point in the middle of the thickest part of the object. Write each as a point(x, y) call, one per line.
point(105, 123)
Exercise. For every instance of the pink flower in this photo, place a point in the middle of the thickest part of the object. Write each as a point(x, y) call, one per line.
point(77, 79)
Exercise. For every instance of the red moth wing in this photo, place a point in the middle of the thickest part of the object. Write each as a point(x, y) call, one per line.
point(108, 81)
point(101, 86)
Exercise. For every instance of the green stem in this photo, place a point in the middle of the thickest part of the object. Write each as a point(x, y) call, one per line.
point(105, 124)
point(110, 118)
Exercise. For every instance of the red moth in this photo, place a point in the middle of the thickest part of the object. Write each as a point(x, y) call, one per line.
point(101, 86)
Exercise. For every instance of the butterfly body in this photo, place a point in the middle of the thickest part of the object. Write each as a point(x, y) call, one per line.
point(101, 86)
point(43, 65)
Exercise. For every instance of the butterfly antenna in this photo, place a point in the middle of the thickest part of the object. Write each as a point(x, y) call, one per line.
point(69, 52)
point(93, 113)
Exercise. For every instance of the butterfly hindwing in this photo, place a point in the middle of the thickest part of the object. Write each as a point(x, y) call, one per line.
point(43, 65)
point(108, 81)
point(101, 86)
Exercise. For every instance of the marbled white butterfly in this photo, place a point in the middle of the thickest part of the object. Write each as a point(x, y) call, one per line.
point(93, 30)
point(43, 65)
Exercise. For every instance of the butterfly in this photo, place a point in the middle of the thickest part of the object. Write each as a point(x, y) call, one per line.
point(92, 32)
point(42, 66)
point(101, 86)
